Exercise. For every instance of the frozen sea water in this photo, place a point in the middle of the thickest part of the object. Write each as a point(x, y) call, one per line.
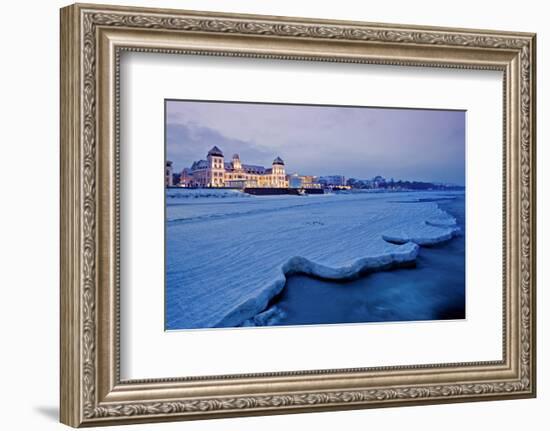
point(434, 289)
point(229, 254)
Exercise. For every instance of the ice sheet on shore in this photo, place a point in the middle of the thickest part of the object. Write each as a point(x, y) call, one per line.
point(227, 256)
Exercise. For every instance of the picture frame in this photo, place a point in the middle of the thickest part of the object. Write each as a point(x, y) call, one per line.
point(92, 40)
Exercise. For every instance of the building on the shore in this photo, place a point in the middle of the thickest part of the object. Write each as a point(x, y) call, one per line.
point(216, 172)
point(333, 181)
point(168, 177)
point(296, 181)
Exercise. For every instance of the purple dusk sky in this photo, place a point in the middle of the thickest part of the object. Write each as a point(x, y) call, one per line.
point(358, 142)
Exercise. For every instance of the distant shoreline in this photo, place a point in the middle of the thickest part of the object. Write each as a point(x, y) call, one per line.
point(334, 190)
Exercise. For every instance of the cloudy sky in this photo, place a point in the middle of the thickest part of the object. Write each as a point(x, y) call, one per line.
point(422, 145)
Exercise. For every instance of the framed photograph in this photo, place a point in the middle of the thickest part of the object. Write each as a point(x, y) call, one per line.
point(265, 215)
point(327, 248)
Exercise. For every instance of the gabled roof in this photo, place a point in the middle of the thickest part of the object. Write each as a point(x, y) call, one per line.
point(253, 168)
point(199, 164)
point(215, 151)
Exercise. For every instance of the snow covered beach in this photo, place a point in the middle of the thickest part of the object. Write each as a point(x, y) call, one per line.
point(229, 254)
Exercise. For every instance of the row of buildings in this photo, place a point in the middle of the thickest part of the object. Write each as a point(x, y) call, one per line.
point(216, 172)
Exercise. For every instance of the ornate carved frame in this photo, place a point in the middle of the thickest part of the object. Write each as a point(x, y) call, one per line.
point(92, 38)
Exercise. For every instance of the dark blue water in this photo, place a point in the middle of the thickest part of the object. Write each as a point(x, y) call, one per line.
point(433, 290)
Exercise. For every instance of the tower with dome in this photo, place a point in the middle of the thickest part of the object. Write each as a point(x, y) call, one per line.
point(216, 172)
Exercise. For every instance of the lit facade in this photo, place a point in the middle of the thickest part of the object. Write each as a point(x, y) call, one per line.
point(297, 181)
point(216, 172)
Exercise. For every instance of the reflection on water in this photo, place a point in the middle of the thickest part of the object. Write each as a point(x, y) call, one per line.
point(433, 290)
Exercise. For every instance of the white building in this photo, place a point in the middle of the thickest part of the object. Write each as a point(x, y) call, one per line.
point(216, 172)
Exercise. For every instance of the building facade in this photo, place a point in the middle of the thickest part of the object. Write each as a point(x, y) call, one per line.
point(296, 181)
point(333, 181)
point(168, 177)
point(216, 172)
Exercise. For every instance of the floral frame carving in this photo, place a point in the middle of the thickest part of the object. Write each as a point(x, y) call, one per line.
point(92, 38)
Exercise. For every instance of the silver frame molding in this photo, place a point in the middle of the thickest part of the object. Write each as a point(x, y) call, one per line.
point(92, 39)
